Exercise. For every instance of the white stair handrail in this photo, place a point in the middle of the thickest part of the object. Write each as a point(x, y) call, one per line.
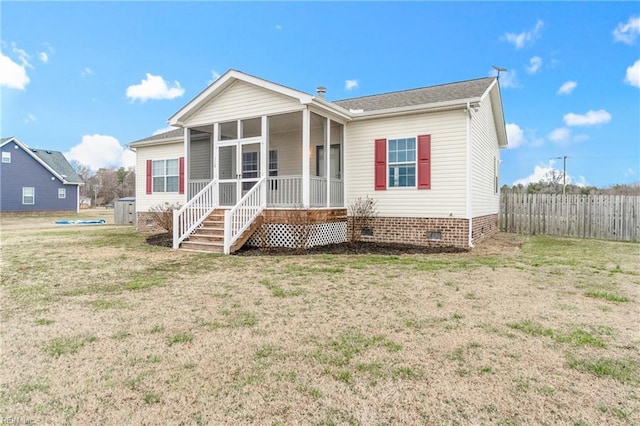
point(194, 212)
point(242, 215)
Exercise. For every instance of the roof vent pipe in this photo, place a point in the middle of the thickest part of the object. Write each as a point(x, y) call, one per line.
point(321, 91)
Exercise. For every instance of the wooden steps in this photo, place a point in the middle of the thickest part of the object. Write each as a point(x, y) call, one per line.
point(210, 236)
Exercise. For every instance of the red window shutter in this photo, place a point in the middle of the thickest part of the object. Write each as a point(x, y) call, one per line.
point(181, 178)
point(149, 177)
point(381, 165)
point(424, 162)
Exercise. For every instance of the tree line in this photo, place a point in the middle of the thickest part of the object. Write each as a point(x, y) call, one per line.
point(106, 185)
point(552, 183)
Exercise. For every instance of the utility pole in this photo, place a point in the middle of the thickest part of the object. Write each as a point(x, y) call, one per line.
point(564, 172)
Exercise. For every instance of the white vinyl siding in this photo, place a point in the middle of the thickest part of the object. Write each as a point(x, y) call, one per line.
point(241, 100)
point(447, 196)
point(486, 157)
point(145, 201)
point(289, 147)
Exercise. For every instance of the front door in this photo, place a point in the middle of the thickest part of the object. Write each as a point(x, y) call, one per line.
point(238, 170)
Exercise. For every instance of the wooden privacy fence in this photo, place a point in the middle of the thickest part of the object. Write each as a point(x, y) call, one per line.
point(607, 217)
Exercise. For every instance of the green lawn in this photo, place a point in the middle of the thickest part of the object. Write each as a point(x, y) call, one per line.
point(99, 327)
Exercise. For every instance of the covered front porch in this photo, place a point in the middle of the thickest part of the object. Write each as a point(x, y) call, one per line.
point(290, 160)
point(238, 153)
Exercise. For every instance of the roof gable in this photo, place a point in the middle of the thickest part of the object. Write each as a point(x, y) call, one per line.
point(222, 83)
point(54, 161)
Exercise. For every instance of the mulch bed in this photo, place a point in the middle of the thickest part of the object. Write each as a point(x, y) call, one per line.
point(359, 247)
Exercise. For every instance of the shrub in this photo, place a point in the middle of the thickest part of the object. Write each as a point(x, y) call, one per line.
point(362, 212)
point(162, 215)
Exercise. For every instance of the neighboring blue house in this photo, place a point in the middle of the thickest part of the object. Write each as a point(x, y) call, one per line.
point(36, 180)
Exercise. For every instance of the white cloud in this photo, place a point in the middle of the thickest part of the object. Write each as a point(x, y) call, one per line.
point(44, 57)
point(540, 172)
point(351, 84)
point(30, 118)
point(543, 172)
point(518, 137)
point(633, 75)
point(560, 135)
point(627, 32)
point(591, 118)
point(98, 151)
point(154, 87)
point(12, 75)
point(86, 71)
point(535, 63)
point(509, 79)
point(515, 135)
point(567, 87)
point(519, 40)
point(22, 55)
point(278, 27)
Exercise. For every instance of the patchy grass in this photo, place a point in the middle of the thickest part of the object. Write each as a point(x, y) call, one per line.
point(611, 297)
point(97, 324)
point(67, 345)
point(623, 370)
point(180, 338)
point(576, 336)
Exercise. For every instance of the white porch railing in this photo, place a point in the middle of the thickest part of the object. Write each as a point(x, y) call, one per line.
point(337, 192)
point(240, 216)
point(195, 186)
point(284, 191)
point(192, 214)
point(317, 191)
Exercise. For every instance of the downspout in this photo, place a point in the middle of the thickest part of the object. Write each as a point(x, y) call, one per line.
point(469, 180)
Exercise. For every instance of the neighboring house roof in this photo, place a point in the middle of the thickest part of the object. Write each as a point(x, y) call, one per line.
point(54, 161)
point(464, 90)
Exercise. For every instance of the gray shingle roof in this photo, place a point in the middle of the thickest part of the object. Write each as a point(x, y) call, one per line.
point(426, 95)
point(57, 161)
point(171, 134)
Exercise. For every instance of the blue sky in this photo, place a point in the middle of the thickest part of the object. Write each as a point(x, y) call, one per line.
point(86, 78)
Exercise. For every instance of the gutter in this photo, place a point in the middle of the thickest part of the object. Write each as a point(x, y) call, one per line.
point(469, 171)
point(434, 107)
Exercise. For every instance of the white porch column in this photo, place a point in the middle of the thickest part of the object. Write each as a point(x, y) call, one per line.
point(187, 168)
point(216, 157)
point(264, 159)
point(327, 158)
point(306, 145)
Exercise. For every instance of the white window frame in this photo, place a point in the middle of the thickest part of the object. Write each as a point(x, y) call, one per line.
point(397, 164)
point(165, 175)
point(6, 157)
point(26, 189)
point(62, 193)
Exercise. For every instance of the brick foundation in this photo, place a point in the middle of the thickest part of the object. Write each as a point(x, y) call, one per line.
point(146, 222)
point(483, 227)
point(441, 232)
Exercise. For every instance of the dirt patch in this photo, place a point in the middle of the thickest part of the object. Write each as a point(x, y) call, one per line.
point(499, 244)
point(161, 240)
